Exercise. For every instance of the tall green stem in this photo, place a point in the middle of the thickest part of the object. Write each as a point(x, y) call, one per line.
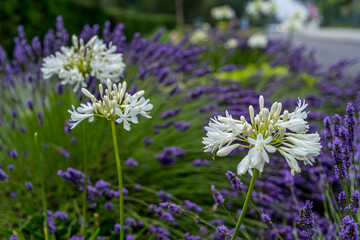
point(85, 181)
point(247, 200)
point(118, 165)
point(42, 181)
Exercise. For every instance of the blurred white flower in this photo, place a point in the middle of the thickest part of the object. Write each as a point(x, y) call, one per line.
point(297, 20)
point(266, 133)
point(221, 13)
point(231, 43)
point(199, 36)
point(74, 65)
point(258, 8)
point(115, 105)
point(258, 41)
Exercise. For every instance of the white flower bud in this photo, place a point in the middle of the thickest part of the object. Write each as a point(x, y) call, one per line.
point(285, 115)
point(75, 41)
point(278, 111)
point(107, 102)
point(273, 109)
point(261, 102)
point(91, 42)
point(86, 93)
point(262, 125)
point(251, 111)
point(282, 131)
point(257, 121)
point(270, 129)
point(115, 89)
point(226, 150)
point(242, 118)
point(266, 115)
point(101, 89)
point(108, 83)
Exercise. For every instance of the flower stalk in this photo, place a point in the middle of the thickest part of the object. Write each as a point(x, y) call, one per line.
point(246, 204)
point(118, 165)
point(85, 182)
point(42, 182)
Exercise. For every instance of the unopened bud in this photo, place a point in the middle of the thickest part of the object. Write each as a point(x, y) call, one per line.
point(261, 102)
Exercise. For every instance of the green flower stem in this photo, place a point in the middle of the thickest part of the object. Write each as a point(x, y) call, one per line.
point(85, 182)
point(118, 165)
point(247, 200)
point(42, 181)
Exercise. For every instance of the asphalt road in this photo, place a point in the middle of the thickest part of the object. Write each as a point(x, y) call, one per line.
point(329, 45)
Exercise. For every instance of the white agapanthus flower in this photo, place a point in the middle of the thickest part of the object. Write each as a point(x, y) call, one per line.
point(258, 8)
point(257, 41)
point(267, 132)
point(199, 36)
point(115, 105)
point(222, 13)
point(74, 65)
point(296, 20)
point(231, 43)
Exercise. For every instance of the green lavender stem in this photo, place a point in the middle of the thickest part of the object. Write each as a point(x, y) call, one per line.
point(42, 181)
point(247, 200)
point(85, 182)
point(118, 165)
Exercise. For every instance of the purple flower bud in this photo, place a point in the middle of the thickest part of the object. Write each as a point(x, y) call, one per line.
point(218, 198)
point(30, 103)
point(61, 215)
point(131, 162)
point(109, 206)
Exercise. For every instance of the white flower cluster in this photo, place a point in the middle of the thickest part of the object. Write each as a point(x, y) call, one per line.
point(115, 104)
point(297, 19)
point(74, 65)
point(258, 8)
point(199, 36)
point(258, 41)
point(267, 132)
point(221, 13)
point(231, 43)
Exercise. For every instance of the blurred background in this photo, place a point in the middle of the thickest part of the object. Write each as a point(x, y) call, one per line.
point(333, 29)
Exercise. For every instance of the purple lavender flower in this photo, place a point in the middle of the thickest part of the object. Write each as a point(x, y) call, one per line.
point(109, 206)
point(117, 228)
point(12, 237)
point(22, 129)
point(181, 125)
point(137, 187)
point(218, 198)
point(30, 103)
point(172, 208)
point(339, 159)
point(191, 206)
point(131, 222)
point(131, 162)
point(267, 220)
point(170, 113)
point(11, 167)
point(342, 200)
point(235, 181)
point(13, 195)
point(63, 152)
point(3, 176)
point(355, 202)
point(169, 155)
point(164, 196)
point(349, 229)
point(72, 176)
point(148, 141)
point(306, 220)
point(29, 186)
point(130, 237)
point(61, 215)
point(12, 153)
point(350, 122)
point(77, 237)
point(222, 233)
point(102, 185)
point(13, 113)
point(159, 232)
